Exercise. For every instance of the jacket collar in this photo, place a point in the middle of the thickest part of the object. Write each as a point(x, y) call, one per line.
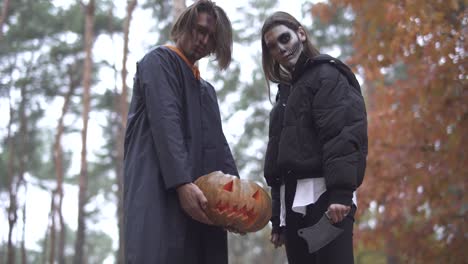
point(300, 67)
point(195, 71)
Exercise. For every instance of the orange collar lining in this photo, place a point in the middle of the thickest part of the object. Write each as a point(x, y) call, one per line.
point(194, 68)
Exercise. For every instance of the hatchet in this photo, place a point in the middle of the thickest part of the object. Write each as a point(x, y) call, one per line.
point(320, 234)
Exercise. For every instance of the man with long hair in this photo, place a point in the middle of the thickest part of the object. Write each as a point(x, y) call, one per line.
point(174, 135)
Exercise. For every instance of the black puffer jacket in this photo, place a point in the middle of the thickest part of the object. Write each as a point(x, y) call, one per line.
point(323, 132)
point(273, 173)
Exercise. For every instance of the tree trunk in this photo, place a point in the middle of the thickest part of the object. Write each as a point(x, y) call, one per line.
point(23, 239)
point(12, 215)
point(23, 154)
point(52, 228)
point(83, 181)
point(59, 166)
point(122, 107)
point(3, 16)
point(14, 186)
point(178, 6)
point(63, 232)
point(44, 247)
point(57, 194)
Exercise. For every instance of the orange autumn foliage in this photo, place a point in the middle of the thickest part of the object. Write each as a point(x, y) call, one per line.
point(412, 56)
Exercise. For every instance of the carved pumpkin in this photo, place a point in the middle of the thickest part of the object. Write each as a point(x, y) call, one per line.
point(232, 202)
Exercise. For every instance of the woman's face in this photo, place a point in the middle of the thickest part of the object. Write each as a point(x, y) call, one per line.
point(284, 44)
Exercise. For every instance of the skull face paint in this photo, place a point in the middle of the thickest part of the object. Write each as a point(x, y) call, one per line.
point(285, 45)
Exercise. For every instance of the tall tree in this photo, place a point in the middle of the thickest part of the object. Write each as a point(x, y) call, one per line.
point(11, 212)
point(412, 56)
point(57, 194)
point(89, 10)
point(22, 63)
point(33, 64)
point(22, 153)
point(21, 141)
point(122, 108)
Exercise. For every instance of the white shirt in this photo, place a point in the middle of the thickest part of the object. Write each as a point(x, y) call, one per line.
point(308, 191)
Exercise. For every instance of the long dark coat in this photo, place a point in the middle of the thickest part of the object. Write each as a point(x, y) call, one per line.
point(174, 135)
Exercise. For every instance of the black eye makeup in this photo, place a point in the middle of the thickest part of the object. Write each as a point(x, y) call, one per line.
point(284, 38)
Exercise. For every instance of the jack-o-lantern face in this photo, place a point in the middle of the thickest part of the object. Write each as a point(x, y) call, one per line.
point(232, 202)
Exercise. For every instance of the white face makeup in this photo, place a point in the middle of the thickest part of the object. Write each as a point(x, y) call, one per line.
point(285, 45)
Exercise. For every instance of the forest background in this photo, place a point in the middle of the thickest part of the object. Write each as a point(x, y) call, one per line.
point(66, 72)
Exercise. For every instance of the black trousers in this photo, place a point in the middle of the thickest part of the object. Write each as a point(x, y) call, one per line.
point(339, 251)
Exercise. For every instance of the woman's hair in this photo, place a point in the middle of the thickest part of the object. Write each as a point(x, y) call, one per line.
point(223, 28)
point(272, 69)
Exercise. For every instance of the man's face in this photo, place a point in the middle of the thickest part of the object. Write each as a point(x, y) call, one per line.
point(285, 44)
point(200, 41)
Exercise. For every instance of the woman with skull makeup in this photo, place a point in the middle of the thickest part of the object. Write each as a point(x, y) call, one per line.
point(317, 148)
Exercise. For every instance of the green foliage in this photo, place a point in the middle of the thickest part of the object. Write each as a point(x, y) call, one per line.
point(250, 91)
point(103, 170)
point(32, 256)
point(162, 12)
point(41, 58)
point(3, 171)
point(333, 31)
point(254, 248)
point(250, 147)
point(228, 81)
point(30, 20)
point(251, 17)
point(98, 247)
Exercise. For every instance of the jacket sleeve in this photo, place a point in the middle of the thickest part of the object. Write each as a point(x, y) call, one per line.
point(276, 209)
point(340, 118)
point(163, 97)
point(271, 170)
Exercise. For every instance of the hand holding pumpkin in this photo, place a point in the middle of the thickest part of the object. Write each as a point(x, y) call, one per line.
point(193, 202)
point(238, 205)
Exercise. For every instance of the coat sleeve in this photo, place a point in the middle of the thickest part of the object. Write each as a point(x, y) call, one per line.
point(163, 97)
point(275, 208)
point(339, 114)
